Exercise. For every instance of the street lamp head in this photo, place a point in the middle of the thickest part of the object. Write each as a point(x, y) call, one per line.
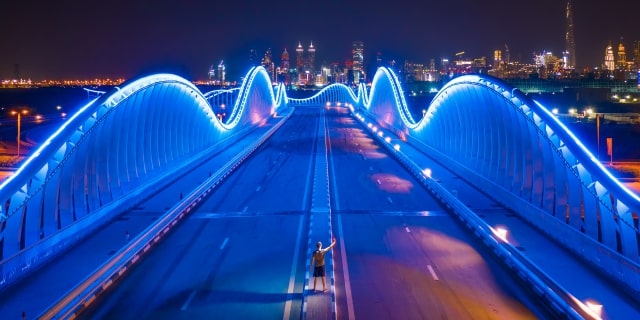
point(23, 111)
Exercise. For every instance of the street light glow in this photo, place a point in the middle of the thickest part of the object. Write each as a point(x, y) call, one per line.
point(500, 232)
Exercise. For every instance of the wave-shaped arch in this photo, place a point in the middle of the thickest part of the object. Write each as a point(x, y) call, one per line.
point(115, 144)
point(387, 101)
point(336, 92)
point(512, 140)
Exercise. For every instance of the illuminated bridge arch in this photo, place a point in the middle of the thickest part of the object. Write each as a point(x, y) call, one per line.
point(336, 92)
point(387, 101)
point(116, 144)
point(517, 146)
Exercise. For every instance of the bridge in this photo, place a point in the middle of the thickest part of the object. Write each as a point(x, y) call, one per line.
point(156, 200)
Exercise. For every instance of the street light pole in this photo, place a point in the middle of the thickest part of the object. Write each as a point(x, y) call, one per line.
point(19, 113)
point(598, 133)
point(18, 134)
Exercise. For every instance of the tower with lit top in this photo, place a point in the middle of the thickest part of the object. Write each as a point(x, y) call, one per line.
point(311, 58)
point(609, 62)
point(357, 52)
point(222, 73)
point(300, 58)
point(267, 63)
point(621, 63)
point(570, 43)
point(285, 66)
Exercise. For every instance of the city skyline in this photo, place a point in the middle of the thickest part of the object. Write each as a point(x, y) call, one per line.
point(118, 39)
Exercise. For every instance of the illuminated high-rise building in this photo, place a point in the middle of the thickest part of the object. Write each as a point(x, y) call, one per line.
point(212, 72)
point(497, 59)
point(570, 44)
point(267, 63)
point(284, 69)
point(311, 59)
point(357, 52)
point(609, 62)
point(621, 62)
point(636, 54)
point(507, 54)
point(300, 58)
point(222, 72)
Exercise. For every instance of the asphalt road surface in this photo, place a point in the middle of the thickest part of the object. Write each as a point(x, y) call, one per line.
point(242, 254)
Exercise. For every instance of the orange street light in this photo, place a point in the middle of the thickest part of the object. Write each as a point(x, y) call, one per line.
point(19, 113)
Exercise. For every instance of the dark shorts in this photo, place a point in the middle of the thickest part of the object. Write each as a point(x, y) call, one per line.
point(318, 271)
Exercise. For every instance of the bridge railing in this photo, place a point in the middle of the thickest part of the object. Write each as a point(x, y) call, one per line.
point(81, 297)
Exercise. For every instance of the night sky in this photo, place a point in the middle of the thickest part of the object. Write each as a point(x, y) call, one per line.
point(75, 39)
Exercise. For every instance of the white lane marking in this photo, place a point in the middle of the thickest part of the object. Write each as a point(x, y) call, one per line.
point(433, 272)
point(292, 276)
point(345, 271)
point(186, 303)
point(245, 209)
point(389, 199)
point(333, 189)
point(224, 243)
point(258, 189)
point(307, 186)
point(378, 180)
point(407, 229)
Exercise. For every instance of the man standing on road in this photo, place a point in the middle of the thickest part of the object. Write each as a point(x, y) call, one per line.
point(317, 259)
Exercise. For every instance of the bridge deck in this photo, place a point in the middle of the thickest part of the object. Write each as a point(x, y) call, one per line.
point(381, 252)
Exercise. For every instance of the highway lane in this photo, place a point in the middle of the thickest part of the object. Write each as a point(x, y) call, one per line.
point(240, 254)
point(403, 255)
point(42, 288)
point(581, 280)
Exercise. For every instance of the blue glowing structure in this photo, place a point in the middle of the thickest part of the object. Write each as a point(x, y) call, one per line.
point(486, 131)
point(499, 139)
point(336, 92)
point(118, 143)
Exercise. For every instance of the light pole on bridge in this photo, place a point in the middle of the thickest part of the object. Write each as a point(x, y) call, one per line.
point(19, 113)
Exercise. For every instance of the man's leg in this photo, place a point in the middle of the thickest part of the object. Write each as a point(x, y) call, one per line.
point(324, 284)
point(315, 281)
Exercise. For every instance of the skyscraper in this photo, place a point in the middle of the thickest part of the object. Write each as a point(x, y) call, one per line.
point(570, 43)
point(357, 52)
point(609, 62)
point(285, 67)
point(299, 61)
point(299, 57)
point(222, 73)
point(636, 53)
point(621, 63)
point(311, 59)
point(212, 72)
point(267, 63)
